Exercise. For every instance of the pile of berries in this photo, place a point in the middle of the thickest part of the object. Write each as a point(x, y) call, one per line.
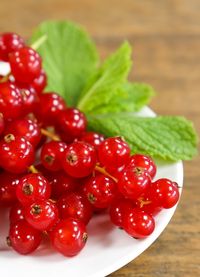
point(55, 175)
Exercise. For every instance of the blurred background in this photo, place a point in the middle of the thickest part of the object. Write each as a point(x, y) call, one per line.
point(165, 36)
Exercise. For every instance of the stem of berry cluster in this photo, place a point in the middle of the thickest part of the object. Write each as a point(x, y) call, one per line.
point(32, 169)
point(4, 78)
point(50, 135)
point(104, 172)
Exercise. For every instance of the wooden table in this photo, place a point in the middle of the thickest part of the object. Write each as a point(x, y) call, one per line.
point(165, 36)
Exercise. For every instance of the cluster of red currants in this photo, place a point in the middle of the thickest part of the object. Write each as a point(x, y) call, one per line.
point(55, 175)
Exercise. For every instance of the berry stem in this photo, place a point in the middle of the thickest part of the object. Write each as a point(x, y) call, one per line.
point(50, 135)
point(39, 42)
point(103, 171)
point(4, 78)
point(32, 169)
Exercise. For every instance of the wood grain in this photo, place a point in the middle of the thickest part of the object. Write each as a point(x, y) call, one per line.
point(165, 36)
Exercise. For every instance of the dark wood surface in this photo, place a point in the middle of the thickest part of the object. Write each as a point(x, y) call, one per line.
point(165, 36)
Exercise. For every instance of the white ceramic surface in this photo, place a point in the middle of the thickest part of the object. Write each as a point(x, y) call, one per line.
point(107, 249)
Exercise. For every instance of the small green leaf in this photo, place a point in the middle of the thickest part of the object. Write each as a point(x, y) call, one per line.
point(106, 81)
point(69, 57)
point(166, 137)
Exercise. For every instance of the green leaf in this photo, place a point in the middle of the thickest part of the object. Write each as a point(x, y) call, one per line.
point(130, 97)
point(106, 81)
point(69, 57)
point(166, 137)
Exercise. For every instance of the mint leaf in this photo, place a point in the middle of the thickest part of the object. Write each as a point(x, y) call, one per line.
point(106, 81)
point(167, 137)
point(69, 57)
point(130, 97)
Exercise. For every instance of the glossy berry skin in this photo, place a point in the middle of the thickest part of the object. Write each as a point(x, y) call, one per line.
point(25, 64)
point(79, 159)
point(33, 187)
point(76, 206)
point(61, 183)
point(118, 209)
point(133, 182)
point(10, 101)
point(40, 82)
point(71, 124)
point(30, 100)
point(145, 162)
point(16, 153)
point(113, 152)
point(2, 124)
point(100, 191)
point(165, 193)
point(9, 42)
point(52, 154)
point(8, 185)
point(95, 139)
point(138, 224)
point(23, 238)
point(50, 106)
point(69, 237)
point(25, 128)
point(16, 213)
point(41, 215)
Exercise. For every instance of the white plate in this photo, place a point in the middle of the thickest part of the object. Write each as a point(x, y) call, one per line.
point(107, 249)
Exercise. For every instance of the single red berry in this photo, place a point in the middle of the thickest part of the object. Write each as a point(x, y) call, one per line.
point(100, 191)
point(16, 153)
point(79, 159)
point(9, 42)
point(69, 237)
point(41, 215)
point(133, 182)
point(40, 82)
point(50, 107)
point(16, 213)
point(30, 100)
point(11, 102)
point(25, 64)
point(23, 238)
point(33, 187)
point(138, 224)
point(145, 162)
point(25, 128)
point(71, 124)
point(52, 154)
point(114, 153)
point(2, 124)
point(165, 193)
point(76, 206)
point(95, 139)
point(118, 209)
point(8, 185)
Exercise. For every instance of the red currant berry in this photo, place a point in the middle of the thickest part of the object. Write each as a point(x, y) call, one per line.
point(16, 153)
point(113, 152)
point(145, 162)
point(8, 185)
point(16, 213)
point(118, 209)
point(138, 224)
point(133, 182)
point(9, 42)
point(71, 124)
point(95, 139)
point(100, 191)
point(30, 100)
point(25, 128)
point(2, 124)
point(147, 204)
point(165, 193)
point(50, 106)
point(32, 188)
point(23, 238)
point(25, 64)
point(10, 101)
point(40, 82)
point(69, 237)
point(79, 159)
point(52, 155)
point(41, 215)
point(76, 206)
